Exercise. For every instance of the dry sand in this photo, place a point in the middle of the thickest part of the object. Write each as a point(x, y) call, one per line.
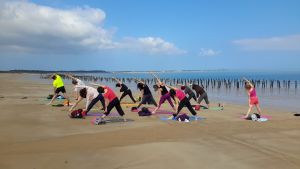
point(36, 136)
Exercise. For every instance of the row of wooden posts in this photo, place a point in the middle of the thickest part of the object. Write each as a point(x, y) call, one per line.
point(206, 83)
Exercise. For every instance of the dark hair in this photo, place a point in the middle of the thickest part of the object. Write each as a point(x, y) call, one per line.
point(172, 92)
point(74, 82)
point(100, 89)
point(182, 87)
point(140, 86)
point(118, 85)
point(194, 86)
point(53, 77)
point(83, 93)
point(155, 87)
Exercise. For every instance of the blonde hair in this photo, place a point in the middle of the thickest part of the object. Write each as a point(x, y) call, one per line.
point(248, 86)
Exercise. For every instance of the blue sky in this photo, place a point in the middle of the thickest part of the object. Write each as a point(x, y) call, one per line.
point(150, 35)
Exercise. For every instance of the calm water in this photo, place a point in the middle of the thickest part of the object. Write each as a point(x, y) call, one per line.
point(284, 99)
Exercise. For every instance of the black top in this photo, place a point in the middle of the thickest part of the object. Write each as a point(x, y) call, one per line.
point(163, 90)
point(188, 90)
point(199, 90)
point(123, 88)
point(146, 90)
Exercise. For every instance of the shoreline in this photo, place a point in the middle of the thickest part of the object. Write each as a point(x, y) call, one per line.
point(40, 136)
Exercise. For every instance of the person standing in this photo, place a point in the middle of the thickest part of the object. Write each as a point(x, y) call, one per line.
point(58, 86)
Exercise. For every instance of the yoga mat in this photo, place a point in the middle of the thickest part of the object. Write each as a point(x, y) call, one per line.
point(211, 108)
point(112, 114)
point(191, 118)
point(216, 108)
point(262, 118)
point(112, 120)
point(128, 103)
point(58, 105)
point(203, 107)
point(160, 111)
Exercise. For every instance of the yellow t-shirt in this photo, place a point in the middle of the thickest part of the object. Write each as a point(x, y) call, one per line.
point(57, 83)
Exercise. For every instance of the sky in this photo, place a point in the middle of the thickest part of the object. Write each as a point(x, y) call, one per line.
point(150, 35)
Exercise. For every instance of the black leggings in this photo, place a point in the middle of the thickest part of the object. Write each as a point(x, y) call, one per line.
point(114, 103)
point(147, 99)
point(94, 101)
point(125, 93)
point(182, 103)
point(192, 95)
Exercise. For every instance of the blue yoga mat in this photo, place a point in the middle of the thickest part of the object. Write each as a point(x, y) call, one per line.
point(192, 118)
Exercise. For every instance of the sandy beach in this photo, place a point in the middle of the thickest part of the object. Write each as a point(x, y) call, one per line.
point(36, 136)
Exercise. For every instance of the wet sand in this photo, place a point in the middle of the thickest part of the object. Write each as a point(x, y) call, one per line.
point(36, 136)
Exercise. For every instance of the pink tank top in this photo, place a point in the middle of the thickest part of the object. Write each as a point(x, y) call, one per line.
point(179, 94)
point(110, 94)
point(253, 93)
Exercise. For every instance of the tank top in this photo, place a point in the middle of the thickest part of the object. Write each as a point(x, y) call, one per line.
point(163, 90)
point(110, 94)
point(253, 93)
point(180, 95)
point(58, 82)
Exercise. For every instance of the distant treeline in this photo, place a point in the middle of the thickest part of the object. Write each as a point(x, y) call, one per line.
point(54, 71)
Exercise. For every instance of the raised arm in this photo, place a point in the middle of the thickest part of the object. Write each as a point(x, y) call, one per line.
point(76, 103)
point(139, 81)
point(70, 76)
point(158, 80)
point(118, 81)
point(171, 87)
point(248, 81)
point(94, 84)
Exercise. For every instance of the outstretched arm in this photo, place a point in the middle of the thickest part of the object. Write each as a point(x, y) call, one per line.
point(158, 80)
point(171, 87)
point(70, 76)
point(76, 103)
point(94, 84)
point(139, 81)
point(246, 80)
point(118, 81)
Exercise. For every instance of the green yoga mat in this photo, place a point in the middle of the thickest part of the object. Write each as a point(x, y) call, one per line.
point(216, 108)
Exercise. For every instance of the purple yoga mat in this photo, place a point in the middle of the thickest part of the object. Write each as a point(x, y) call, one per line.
point(159, 111)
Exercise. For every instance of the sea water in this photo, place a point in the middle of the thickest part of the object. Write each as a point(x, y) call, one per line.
point(285, 99)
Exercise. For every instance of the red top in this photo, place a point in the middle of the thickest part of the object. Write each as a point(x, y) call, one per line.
point(179, 94)
point(110, 94)
point(252, 93)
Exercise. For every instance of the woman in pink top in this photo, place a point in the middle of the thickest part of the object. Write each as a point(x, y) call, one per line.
point(109, 94)
point(183, 101)
point(252, 98)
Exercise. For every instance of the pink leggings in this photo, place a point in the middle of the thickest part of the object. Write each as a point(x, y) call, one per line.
point(165, 97)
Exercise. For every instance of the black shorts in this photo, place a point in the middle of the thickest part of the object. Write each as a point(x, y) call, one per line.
point(60, 89)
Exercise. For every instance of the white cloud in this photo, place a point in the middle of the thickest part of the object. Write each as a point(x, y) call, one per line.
point(26, 26)
point(208, 52)
point(151, 45)
point(283, 43)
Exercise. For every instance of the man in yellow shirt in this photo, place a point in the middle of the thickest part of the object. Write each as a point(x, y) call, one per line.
point(58, 85)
